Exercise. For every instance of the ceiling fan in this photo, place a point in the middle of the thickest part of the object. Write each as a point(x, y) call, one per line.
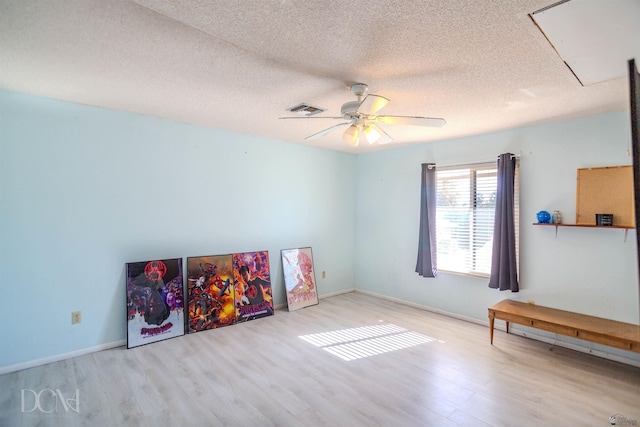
point(362, 120)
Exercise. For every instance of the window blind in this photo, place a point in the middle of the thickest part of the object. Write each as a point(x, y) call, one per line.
point(465, 210)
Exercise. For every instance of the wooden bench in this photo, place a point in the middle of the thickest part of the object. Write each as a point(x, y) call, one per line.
point(595, 329)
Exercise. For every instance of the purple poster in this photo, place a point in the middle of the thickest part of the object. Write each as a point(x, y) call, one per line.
point(155, 303)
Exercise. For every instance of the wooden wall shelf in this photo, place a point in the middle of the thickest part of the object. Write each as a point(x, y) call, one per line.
point(624, 227)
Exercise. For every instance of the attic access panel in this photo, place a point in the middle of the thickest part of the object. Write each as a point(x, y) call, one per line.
point(594, 38)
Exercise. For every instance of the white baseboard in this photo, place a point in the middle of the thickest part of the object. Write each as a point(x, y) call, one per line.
point(582, 349)
point(120, 343)
point(426, 308)
point(514, 330)
point(59, 357)
point(332, 294)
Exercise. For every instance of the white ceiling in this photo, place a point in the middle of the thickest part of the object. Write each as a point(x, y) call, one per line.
point(237, 65)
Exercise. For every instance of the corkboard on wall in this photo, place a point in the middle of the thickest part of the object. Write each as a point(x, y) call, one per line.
point(605, 190)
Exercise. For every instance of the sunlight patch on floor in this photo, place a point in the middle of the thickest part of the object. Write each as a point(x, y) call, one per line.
point(365, 341)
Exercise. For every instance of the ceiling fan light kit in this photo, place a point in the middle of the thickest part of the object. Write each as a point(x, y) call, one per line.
point(361, 118)
point(352, 135)
point(374, 133)
point(370, 134)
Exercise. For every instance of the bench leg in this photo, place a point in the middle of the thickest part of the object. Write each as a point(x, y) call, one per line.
point(507, 324)
point(492, 318)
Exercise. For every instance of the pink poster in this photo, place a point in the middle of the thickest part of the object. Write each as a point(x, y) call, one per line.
point(299, 278)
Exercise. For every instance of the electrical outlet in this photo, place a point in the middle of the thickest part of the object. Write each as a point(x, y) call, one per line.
point(324, 274)
point(76, 317)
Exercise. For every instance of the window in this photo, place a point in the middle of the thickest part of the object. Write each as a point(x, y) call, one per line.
point(465, 209)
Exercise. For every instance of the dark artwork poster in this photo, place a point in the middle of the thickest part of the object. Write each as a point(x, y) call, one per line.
point(252, 279)
point(155, 302)
point(210, 292)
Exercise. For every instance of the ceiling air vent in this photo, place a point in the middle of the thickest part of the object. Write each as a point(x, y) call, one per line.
point(306, 110)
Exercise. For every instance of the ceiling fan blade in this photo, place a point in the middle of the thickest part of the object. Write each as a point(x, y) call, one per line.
point(411, 121)
point(371, 104)
point(327, 130)
point(377, 134)
point(314, 117)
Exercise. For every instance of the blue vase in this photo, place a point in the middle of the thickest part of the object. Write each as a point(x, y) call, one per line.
point(544, 217)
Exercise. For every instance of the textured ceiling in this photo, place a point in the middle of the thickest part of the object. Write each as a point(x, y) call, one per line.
point(238, 65)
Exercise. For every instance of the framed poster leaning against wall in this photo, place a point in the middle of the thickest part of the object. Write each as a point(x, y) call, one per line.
point(299, 278)
point(154, 301)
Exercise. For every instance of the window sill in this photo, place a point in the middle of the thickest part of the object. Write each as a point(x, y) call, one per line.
point(458, 273)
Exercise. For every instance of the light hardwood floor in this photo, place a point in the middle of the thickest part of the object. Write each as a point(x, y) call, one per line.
point(261, 373)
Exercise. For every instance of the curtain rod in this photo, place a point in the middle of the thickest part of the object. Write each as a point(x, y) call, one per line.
point(450, 165)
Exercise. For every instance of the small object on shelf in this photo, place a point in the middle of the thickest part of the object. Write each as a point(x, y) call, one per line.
point(556, 218)
point(544, 217)
point(604, 219)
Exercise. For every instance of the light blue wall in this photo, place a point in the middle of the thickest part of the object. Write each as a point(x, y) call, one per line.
point(85, 190)
point(591, 271)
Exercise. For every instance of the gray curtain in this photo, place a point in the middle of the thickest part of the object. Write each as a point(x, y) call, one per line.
point(504, 274)
point(426, 265)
